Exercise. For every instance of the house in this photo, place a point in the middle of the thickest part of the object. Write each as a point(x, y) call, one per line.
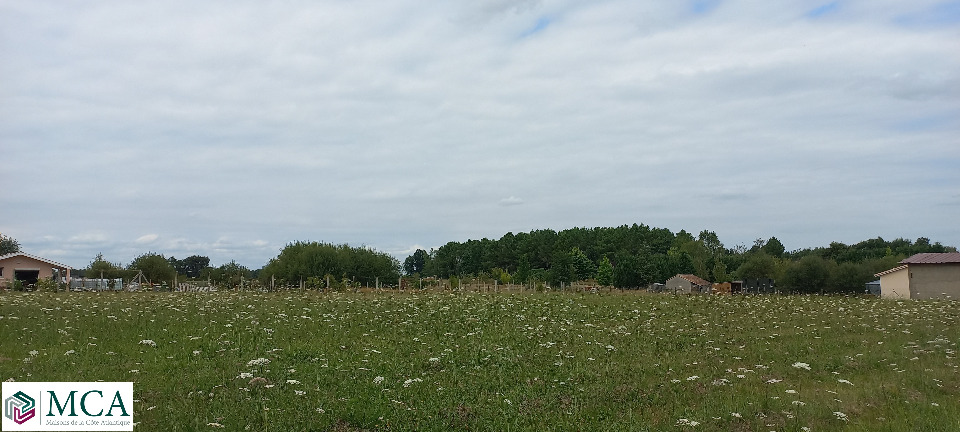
point(687, 284)
point(28, 269)
point(923, 276)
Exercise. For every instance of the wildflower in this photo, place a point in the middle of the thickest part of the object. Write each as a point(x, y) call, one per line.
point(791, 391)
point(692, 378)
point(196, 352)
point(378, 380)
point(773, 381)
point(33, 353)
point(687, 422)
point(434, 360)
point(69, 352)
point(148, 342)
point(843, 381)
point(258, 381)
point(507, 401)
point(216, 425)
point(258, 362)
point(300, 392)
point(799, 403)
point(245, 375)
point(293, 381)
point(840, 415)
point(610, 348)
point(736, 415)
point(321, 410)
point(801, 365)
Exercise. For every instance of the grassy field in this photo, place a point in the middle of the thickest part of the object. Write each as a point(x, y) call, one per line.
point(344, 362)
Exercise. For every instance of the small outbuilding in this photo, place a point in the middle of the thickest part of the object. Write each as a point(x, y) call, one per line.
point(688, 284)
point(923, 276)
point(28, 269)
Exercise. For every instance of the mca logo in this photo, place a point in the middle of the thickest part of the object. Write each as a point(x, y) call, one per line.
point(19, 407)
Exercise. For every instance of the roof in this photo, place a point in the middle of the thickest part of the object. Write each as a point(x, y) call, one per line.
point(895, 269)
point(694, 279)
point(933, 258)
point(53, 263)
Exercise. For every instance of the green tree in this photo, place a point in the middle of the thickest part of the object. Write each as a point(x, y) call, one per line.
point(583, 267)
point(8, 245)
point(757, 266)
point(773, 247)
point(605, 272)
point(155, 268)
point(191, 266)
point(414, 264)
point(809, 275)
point(100, 267)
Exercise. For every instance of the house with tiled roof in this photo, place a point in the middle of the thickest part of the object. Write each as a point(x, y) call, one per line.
point(28, 269)
point(687, 284)
point(923, 276)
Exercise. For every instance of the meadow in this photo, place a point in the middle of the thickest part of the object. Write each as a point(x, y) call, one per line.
point(504, 362)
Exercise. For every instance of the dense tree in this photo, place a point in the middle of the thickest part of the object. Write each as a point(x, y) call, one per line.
point(231, 274)
point(101, 268)
point(191, 266)
point(773, 247)
point(302, 260)
point(605, 272)
point(155, 268)
point(583, 267)
point(758, 266)
point(415, 264)
point(8, 245)
point(809, 275)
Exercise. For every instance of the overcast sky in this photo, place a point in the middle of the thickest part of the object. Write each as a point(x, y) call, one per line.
point(230, 128)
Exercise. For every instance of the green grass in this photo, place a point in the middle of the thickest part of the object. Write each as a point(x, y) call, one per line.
point(498, 362)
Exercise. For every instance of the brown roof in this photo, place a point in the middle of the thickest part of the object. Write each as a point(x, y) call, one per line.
point(696, 280)
point(933, 258)
point(52, 263)
point(895, 269)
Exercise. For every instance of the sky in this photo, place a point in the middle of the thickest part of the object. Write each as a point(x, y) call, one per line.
point(229, 129)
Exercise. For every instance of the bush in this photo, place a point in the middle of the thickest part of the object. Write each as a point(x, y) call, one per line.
point(45, 285)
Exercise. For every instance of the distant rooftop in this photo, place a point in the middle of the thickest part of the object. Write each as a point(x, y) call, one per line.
point(933, 258)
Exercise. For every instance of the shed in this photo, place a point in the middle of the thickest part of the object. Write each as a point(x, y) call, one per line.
point(28, 269)
point(687, 284)
point(923, 276)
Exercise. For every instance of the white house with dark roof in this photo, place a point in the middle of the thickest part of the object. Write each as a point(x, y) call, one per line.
point(29, 269)
point(923, 276)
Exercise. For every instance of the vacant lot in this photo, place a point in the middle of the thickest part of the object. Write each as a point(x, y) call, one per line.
point(279, 362)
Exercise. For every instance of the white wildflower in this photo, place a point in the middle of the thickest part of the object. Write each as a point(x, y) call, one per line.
point(245, 375)
point(801, 365)
point(843, 381)
point(687, 422)
point(69, 352)
point(293, 381)
point(692, 378)
point(378, 380)
point(840, 415)
point(258, 362)
point(148, 342)
point(773, 381)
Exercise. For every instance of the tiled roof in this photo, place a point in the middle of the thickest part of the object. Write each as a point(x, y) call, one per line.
point(696, 280)
point(53, 263)
point(933, 258)
point(895, 269)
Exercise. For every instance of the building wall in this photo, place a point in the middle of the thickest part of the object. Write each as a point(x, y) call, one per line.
point(895, 285)
point(678, 284)
point(933, 281)
point(12, 264)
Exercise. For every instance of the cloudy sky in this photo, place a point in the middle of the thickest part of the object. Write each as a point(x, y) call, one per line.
point(230, 128)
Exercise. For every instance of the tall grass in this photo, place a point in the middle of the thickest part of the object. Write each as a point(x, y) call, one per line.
point(535, 361)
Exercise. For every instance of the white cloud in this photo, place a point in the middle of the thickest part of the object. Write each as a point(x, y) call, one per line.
point(147, 239)
point(235, 128)
point(511, 201)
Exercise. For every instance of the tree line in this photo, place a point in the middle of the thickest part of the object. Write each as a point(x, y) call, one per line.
point(635, 256)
